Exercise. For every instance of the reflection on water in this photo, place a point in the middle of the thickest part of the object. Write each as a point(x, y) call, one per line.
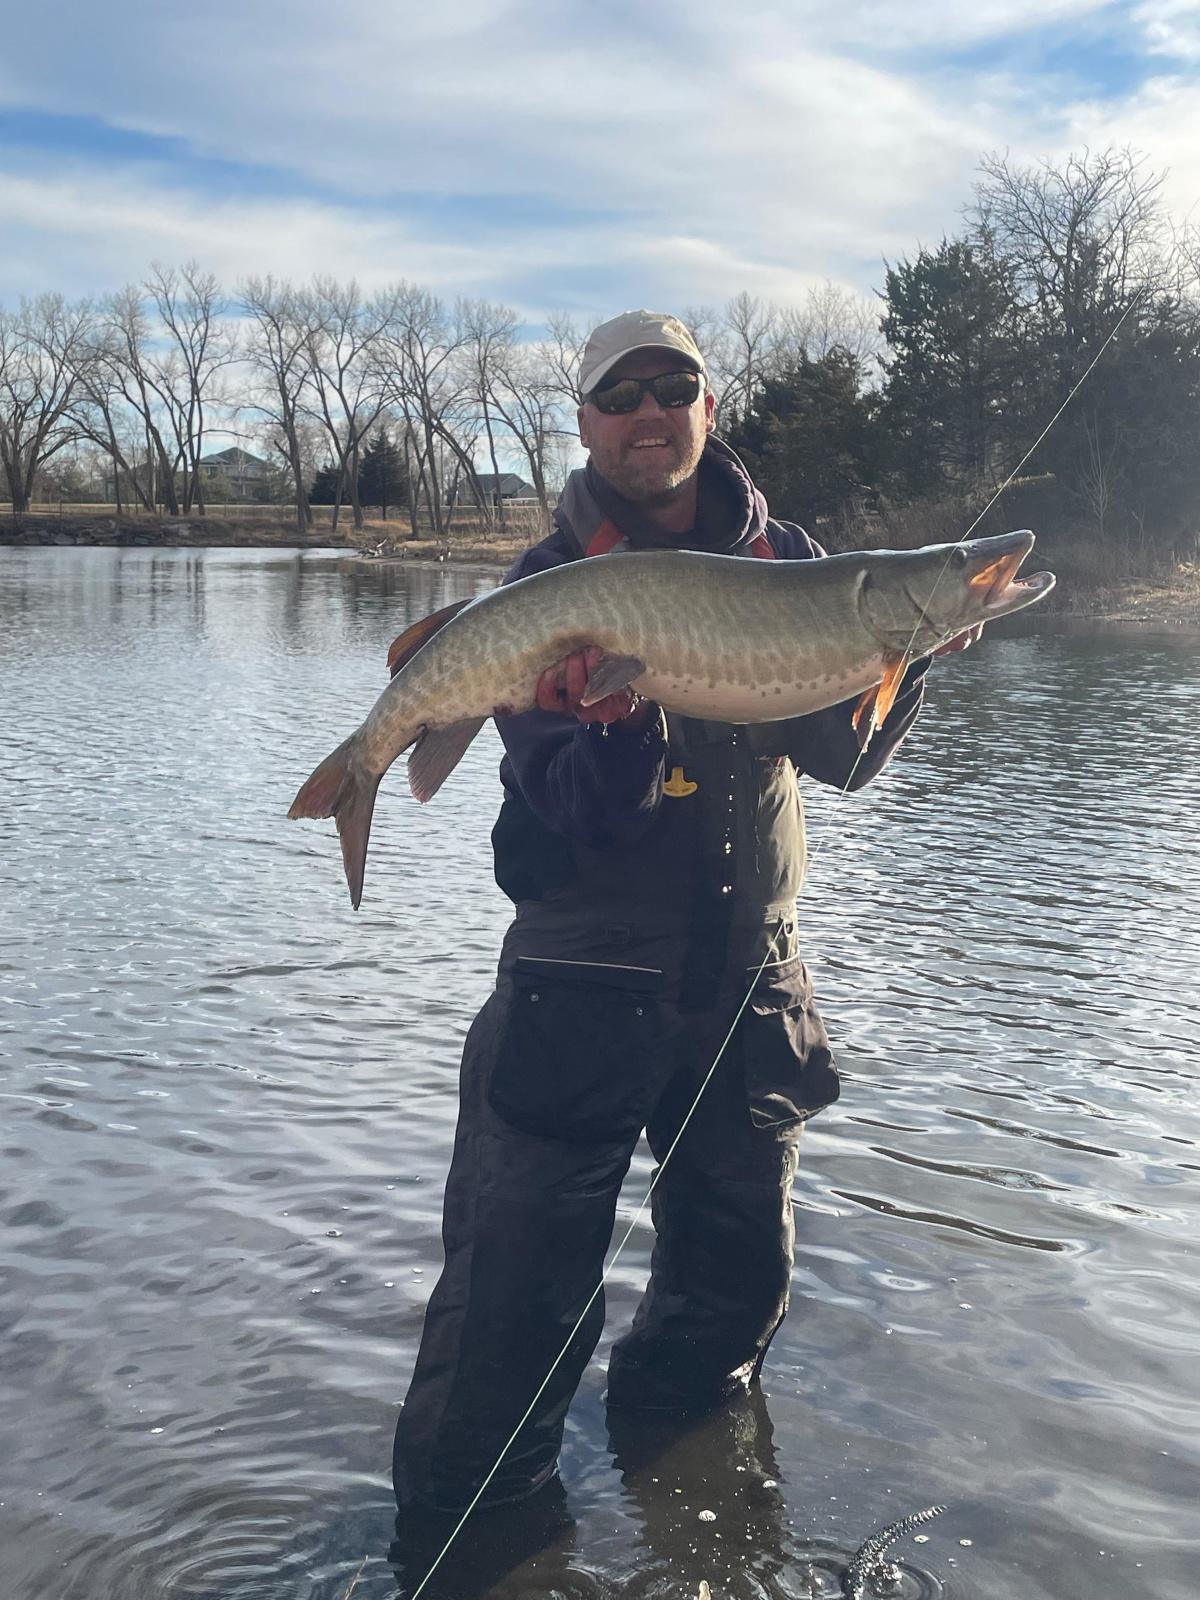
point(226, 1105)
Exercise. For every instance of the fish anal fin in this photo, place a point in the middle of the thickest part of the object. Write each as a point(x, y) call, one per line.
point(610, 674)
point(436, 754)
point(872, 710)
point(405, 646)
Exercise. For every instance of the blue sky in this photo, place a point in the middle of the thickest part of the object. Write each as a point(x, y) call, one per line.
point(577, 156)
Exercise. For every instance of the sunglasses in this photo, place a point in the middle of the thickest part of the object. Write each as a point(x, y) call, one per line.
point(672, 390)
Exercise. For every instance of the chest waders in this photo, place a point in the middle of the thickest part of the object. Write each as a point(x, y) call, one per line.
point(618, 981)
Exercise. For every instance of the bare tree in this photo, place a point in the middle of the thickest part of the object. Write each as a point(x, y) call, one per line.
point(564, 355)
point(527, 396)
point(277, 350)
point(427, 382)
point(44, 347)
point(189, 304)
point(346, 383)
point(101, 413)
point(1098, 473)
point(137, 375)
point(741, 350)
point(1081, 240)
point(490, 331)
point(523, 390)
point(832, 317)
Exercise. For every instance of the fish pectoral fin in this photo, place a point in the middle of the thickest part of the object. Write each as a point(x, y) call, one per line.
point(610, 674)
point(405, 646)
point(436, 754)
point(872, 709)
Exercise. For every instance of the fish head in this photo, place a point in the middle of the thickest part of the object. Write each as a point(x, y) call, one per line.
point(913, 601)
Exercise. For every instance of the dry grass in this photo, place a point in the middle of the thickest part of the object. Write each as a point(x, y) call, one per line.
point(1171, 597)
point(1106, 579)
point(354, 1581)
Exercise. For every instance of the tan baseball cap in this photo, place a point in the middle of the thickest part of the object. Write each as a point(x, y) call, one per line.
point(635, 330)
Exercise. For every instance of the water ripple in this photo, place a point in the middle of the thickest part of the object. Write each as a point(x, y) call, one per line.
point(228, 1106)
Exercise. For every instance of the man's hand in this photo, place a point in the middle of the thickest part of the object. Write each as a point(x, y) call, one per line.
point(960, 641)
point(560, 688)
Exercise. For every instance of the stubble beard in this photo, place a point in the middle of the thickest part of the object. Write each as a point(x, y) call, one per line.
point(661, 486)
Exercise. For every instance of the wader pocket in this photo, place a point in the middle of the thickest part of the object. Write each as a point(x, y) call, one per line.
point(785, 1050)
point(578, 1049)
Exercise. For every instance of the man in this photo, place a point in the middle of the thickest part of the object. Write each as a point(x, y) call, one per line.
point(655, 863)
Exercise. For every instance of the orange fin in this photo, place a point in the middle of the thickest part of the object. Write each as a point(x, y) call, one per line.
point(405, 647)
point(872, 709)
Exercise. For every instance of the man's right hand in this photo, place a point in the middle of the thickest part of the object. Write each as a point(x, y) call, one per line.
point(560, 688)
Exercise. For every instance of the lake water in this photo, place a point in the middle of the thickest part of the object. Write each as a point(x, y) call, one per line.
point(227, 1101)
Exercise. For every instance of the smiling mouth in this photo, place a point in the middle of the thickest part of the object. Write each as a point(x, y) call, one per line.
point(650, 444)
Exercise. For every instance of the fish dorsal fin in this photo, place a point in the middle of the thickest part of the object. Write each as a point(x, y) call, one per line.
point(872, 709)
point(405, 647)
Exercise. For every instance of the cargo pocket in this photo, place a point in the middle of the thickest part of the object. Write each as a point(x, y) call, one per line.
point(788, 1065)
point(578, 1049)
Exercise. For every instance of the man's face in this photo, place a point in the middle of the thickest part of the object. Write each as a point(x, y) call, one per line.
point(647, 454)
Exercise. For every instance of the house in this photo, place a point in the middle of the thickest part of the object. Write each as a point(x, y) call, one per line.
point(245, 475)
point(502, 486)
point(234, 473)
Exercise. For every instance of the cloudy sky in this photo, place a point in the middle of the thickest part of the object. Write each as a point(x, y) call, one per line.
point(580, 156)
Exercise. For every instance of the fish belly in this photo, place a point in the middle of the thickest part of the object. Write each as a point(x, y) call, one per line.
point(772, 699)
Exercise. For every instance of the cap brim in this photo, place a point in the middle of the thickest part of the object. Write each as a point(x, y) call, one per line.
point(606, 367)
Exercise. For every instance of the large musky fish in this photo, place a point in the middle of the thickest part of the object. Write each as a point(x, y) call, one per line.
point(718, 637)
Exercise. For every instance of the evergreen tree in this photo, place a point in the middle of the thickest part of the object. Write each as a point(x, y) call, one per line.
point(324, 486)
point(1127, 459)
point(952, 407)
point(382, 479)
point(808, 437)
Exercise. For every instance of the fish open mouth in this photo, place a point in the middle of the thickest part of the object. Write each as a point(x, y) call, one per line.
point(997, 583)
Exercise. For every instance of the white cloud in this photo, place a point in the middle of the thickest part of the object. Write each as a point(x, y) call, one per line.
point(1163, 120)
point(79, 231)
point(668, 155)
point(1171, 27)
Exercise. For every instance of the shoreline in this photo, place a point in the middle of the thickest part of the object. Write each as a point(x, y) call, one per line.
point(1162, 601)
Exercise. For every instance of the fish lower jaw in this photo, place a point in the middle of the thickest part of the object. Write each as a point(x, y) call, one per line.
point(1018, 593)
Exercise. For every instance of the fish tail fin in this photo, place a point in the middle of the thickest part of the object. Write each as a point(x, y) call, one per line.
point(341, 789)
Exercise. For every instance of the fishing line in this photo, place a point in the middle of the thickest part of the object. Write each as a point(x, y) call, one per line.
point(613, 1259)
point(645, 1201)
point(906, 655)
point(770, 948)
point(1074, 390)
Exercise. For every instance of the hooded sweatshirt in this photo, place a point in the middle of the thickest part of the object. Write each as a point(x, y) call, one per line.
point(602, 789)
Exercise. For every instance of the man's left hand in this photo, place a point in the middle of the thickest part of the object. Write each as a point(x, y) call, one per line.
point(960, 641)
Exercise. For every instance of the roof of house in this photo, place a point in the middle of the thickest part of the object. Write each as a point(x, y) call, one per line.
point(509, 482)
point(235, 456)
